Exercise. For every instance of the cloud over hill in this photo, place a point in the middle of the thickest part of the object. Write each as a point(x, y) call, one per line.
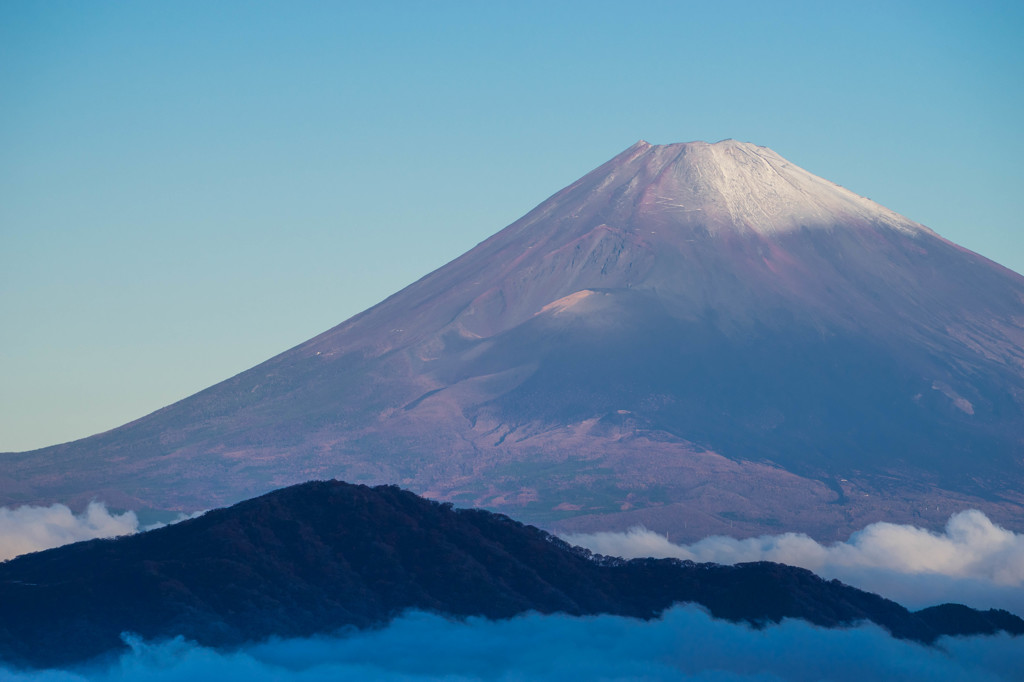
point(973, 561)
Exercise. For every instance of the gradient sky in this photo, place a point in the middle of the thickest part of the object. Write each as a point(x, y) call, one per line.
point(188, 188)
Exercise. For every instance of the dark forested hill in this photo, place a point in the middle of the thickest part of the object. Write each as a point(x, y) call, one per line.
point(315, 557)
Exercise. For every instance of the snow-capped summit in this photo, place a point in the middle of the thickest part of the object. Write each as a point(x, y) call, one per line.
point(742, 186)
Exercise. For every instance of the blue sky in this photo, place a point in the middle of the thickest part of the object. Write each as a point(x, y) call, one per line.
point(189, 188)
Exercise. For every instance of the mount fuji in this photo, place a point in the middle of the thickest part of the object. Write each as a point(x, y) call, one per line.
point(700, 338)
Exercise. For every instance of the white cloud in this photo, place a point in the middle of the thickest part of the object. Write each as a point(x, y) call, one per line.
point(31, 529)
point(685, 644)
point(973, 561)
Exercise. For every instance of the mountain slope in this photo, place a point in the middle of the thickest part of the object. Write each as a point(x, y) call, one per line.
point(702, 338)
point(319, 556)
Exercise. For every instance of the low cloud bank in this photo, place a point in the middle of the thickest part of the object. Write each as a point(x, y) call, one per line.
point(31, 529)
point(973, 561)
point(685, 644)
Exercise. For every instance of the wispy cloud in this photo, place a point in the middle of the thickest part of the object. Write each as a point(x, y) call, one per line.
point(973, 561)
point(685, 644)
point(31, 529)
